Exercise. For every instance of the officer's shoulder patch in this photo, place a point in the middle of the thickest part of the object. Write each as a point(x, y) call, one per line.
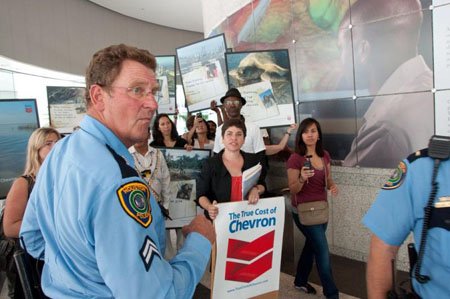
point(134, 197)
point(397, 177)
point(419, 154)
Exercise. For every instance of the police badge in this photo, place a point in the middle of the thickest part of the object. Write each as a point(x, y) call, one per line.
point(396, 178)
point(134, 197)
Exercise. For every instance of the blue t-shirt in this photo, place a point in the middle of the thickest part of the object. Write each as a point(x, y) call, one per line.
point(399, 209)
point(99, 228)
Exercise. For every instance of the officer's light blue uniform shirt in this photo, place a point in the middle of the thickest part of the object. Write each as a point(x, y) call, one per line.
point(92, 222)
point(400, 210)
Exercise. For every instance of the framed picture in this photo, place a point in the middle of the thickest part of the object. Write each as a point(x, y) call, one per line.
point(203, 72)
point(184, 168)
point(18, 119)
point(165, 74)
point(264, 80)
point(66, 107)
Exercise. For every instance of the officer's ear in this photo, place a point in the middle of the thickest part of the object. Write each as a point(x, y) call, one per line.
point(97, 94)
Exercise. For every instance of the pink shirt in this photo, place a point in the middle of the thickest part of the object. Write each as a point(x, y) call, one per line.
point(314, 188)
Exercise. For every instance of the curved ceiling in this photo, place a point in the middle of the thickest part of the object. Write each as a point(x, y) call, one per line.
point(180, 14)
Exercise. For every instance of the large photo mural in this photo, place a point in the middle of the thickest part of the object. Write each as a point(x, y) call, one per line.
point(368, 102)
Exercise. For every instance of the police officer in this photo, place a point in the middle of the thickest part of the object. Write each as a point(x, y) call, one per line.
point(399, 209)
point(91, 216)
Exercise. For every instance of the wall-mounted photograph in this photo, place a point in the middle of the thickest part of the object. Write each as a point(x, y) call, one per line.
point(184, 168)
point(18, 119)
point(66, 107)
point(341, 73)
point(203, 72)
point(264, 80)
point(165, 75)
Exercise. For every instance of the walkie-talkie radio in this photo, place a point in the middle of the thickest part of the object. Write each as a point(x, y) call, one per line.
point(439, 150)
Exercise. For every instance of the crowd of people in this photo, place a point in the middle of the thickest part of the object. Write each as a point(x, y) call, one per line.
point(90, 244)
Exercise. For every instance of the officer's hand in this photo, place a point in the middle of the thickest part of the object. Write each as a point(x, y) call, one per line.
point(202, 226)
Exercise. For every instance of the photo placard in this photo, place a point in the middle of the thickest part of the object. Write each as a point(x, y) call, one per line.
point(165, 75)
point(66, 107)
point(203, 72)
point(184, 168)
point(264, 80)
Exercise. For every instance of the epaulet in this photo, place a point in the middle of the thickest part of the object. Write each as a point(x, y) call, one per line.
point(419, 154)
point(126, 170)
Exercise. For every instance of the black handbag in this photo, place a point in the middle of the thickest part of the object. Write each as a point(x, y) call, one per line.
point(29, 273)
point(7, 248)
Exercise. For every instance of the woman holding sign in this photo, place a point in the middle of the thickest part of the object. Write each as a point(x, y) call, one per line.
point(221, 179)
point(309, 177)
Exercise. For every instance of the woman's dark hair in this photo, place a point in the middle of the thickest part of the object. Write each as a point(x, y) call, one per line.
point(208, 132)
point(300, 146)
point(157, 135)
point(212, 122)
point(234, 123)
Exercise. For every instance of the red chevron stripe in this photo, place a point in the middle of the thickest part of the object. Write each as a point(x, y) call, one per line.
point(247, 251)
point(246, 273)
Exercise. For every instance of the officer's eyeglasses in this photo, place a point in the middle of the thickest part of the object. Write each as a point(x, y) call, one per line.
point(231, 102)
point(138, 92)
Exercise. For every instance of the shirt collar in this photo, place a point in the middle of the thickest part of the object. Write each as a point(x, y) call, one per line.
point(223, 170)
point(150, 151)
point(95, 128)
point(406, 70)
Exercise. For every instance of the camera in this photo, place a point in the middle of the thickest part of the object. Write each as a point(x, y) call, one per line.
point(307, 164)
point(199, 115)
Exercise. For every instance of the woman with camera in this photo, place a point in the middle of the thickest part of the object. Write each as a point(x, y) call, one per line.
point(202, 137)
point(309, 177)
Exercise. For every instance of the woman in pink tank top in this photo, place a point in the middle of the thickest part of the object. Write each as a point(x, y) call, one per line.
point(309, 176)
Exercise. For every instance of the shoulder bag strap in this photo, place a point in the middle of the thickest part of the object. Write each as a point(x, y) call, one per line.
point(326, 173)
point(30, 181)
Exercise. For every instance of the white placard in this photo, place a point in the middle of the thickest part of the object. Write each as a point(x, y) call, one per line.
point(203, 84)
point(442, 112)
point(440, 2)
point(249, 242)
point(441, 46)
point(65, 117)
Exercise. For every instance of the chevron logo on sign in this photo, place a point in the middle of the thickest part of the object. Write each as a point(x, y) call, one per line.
point(249, 260)
point(148, 252)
